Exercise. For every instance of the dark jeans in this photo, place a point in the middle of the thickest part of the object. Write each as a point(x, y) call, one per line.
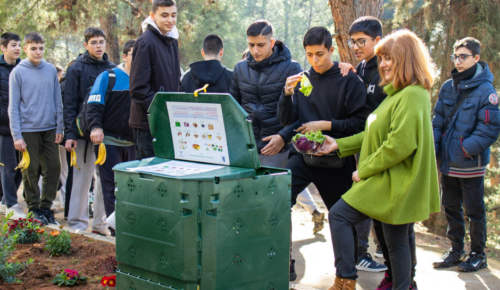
point(143, 144)
point(363, 230)
point(331, 183)
point(45, 153)
point(379, 232)
point(343, 220)
point(114, 155)
point(467, 194)
point(11, 178)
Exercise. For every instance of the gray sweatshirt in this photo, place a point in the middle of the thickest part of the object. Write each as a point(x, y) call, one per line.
point(35, 103)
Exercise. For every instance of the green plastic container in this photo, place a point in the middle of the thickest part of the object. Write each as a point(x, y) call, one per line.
point(228, 228)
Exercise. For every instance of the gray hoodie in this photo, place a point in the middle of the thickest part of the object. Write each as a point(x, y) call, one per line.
point(34, 99)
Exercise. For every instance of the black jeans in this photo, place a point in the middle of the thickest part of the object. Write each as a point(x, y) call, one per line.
point(379, 232)
point(11, 177)
point(143, 144)
point(343, 220)
point(467, 194)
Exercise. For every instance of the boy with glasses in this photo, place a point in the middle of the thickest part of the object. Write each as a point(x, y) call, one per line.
point(79, 78)
point(466, 123)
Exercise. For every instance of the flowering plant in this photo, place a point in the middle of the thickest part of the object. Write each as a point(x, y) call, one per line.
point(28, 230)
point(108, 281)
point(58, 243)
point(69, 277)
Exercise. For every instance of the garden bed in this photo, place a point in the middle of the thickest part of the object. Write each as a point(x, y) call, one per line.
point(88, 256)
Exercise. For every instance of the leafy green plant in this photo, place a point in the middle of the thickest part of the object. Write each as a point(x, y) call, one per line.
point(69, 277)
point(28, 231)
point(305, 86)
point(7, 245)
point(58, 243)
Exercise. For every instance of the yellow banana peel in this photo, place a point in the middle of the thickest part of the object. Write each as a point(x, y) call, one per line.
point(73, 159)
point(101, 155)
point(25, 161)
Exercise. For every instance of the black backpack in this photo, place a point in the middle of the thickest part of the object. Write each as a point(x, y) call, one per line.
point(81, 118)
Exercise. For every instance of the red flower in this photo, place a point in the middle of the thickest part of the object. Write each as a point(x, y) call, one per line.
point(105, 281)
point(112, 281)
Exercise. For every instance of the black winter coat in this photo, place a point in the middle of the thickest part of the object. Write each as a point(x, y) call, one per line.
point(5, 70)
point(79, 78)
point(257, 87)
point(368, 71)
point(210, 72)
point(155, 68)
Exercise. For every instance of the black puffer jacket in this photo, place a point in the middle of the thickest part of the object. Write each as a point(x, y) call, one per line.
point(211, 72)
point(5, 70)
point(80, 76)
point(257, 87)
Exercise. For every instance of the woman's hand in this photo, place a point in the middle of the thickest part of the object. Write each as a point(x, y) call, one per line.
point(355, 176)
point(329, 145)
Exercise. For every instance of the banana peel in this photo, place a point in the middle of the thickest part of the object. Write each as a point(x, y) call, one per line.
point(25, 161)
point(305, 86)
point(73, 159)
point(101, 155)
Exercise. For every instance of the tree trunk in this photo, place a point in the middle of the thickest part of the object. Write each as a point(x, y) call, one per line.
point(344, 13)
point(311, 2)
point(109, 24)
point(263, 13)
point(287, 15)
point(369, 7)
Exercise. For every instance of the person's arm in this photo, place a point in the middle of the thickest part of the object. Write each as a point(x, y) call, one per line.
point(350, 145)
point(141, 91)
point(355, 106)
point(487, 126)
point(438, 124)
point(70, 102)
point(402, 139)
point(288, 132)
point(95, 107)
point(59, 110)
point(234, 90)
point(14, 103)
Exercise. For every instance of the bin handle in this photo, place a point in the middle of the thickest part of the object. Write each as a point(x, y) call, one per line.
point(204, 89)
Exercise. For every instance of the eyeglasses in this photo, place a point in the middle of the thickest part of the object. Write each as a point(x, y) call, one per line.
point(100, 43)
point(461, 58)
point(360, 42)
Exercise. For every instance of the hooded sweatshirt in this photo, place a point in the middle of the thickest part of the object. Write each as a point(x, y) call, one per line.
point(368, 72)
point(210, 72)
point(34, 99)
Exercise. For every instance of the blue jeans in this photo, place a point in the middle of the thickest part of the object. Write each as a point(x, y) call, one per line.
point(11, 178)
point(363, 229)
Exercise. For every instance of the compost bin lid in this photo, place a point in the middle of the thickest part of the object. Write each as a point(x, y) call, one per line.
point(211, 128)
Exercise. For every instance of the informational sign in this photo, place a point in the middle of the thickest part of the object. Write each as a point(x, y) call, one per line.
point(176, 168)
point(198, 132)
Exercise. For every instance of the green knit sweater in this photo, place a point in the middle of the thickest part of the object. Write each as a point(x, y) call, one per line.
point(397, 165)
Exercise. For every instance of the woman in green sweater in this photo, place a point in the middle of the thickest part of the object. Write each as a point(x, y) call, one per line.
point(396, 182)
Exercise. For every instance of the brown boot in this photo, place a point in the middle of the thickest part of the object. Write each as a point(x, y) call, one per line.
point(343, 284)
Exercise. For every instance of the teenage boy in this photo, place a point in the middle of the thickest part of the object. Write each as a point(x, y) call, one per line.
point(365, 33)
point(10, 44)
point(210, 71)
point(338, 113)
point(466, 123)
point(79, 78)
point(36, 122)
point(108, 114)
point(158, 46)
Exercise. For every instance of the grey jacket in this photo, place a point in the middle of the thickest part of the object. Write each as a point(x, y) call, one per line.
point(34, 99)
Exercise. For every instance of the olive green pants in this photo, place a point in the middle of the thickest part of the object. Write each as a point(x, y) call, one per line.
point(44, 154)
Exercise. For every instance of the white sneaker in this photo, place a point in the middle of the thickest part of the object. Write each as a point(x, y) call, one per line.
point(111, 221)
point(3, 208)
point(18, 212)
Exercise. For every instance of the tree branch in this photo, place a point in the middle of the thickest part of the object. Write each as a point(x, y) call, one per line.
point(135, 7)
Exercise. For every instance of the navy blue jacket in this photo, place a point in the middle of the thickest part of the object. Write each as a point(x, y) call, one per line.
point(463, 148)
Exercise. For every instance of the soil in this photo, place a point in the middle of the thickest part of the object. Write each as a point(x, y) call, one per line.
point(87, 257)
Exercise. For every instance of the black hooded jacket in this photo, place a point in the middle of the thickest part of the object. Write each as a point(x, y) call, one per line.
point(155, 68)
point(341, 100)
point(79, 78)
point(5, 70)
point(257, 87)
point(368, 71)
point(210, 72)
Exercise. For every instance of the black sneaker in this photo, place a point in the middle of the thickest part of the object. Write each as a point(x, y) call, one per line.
point(293, 275)
point(450, 259)
point(49, 215)
point(39, 216)
point(366, 263)
point(474, 263)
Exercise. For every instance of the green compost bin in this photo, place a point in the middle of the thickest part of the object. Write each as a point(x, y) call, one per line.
point(203, 214)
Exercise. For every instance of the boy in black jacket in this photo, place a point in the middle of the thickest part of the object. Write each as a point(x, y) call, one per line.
point(79, 78)
point(158, 46)
point(108, 113)
point(209, 71)
point(10, 44)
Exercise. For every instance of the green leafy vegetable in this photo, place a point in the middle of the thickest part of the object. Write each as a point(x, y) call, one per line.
point(305, 86)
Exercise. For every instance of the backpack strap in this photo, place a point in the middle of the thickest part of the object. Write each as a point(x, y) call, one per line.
point(111, 83)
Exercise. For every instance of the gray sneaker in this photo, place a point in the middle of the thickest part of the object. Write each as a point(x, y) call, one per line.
point(17, 210)
point(3, 208)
